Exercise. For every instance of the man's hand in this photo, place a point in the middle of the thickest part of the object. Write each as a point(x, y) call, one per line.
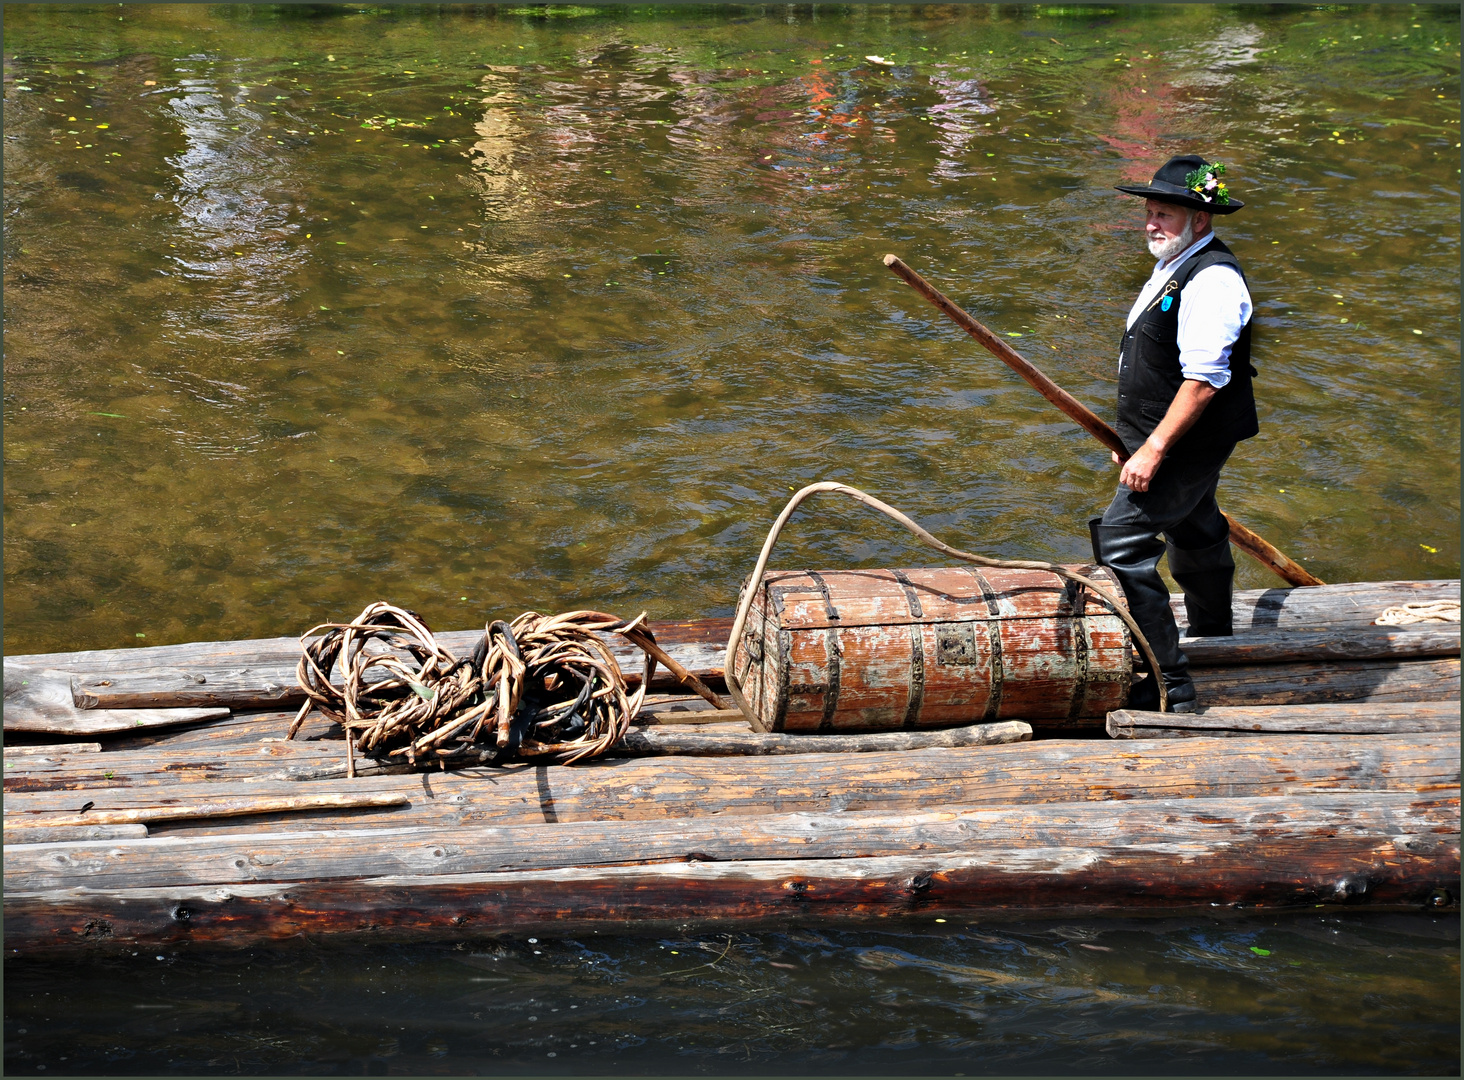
point(1138, 471)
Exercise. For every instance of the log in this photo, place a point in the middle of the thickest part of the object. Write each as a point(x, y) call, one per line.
point(40, 700)
point(245, 807)
point(1335, 681)
point(171, 687)
point(1326, 607)
point(733, 741)
point(261, 673)
point(1000, 832)
point(644, 741)
point(73, 833)
point(1364, 718)
point(1343, 643)
point(1384, 851)
point(688, 787)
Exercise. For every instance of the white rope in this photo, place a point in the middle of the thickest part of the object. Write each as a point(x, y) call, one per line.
point(1445, 611)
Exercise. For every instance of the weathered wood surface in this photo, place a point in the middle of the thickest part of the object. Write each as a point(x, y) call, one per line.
point(53, 749)
point(1356, 718)
point(677, 717)
point(710, 738)
point(1319, 682)
point(644, 741)
point(1326, 607)
point(354, 854)
point(40, 699)
point(838, 651)
point(244, 806)
point(261, 673)
point(1343, 643)
point(73, 833)
point(1334, 848)
point(684, 787)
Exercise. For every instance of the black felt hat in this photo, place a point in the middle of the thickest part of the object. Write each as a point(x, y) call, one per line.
point(1189, 181)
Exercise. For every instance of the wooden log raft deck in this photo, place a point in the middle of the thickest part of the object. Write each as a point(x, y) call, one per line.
point(150, 797)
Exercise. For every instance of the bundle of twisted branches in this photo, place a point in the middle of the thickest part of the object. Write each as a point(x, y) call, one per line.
point(542, 687)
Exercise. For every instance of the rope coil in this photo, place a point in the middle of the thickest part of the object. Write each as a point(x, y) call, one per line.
point(1443, 611)
point(542, 687)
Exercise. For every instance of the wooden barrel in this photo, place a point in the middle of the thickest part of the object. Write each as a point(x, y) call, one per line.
point(880, 650)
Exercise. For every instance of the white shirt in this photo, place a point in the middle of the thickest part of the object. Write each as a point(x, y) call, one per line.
point(1213, 309)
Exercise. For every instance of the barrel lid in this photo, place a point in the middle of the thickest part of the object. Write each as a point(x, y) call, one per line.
point(815, 599)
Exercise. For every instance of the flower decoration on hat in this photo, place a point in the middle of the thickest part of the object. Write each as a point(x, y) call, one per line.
point(1205, 182)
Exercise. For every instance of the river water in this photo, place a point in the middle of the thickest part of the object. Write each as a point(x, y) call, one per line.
point(480, 310)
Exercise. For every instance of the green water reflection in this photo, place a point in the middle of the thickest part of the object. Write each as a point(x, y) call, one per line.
point(1323, 994)
point(486, 309)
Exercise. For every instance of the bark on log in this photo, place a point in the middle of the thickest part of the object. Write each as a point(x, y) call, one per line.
point(1352, 643)
point(642, 742)
point(682, 787)
point(1365, 718)
point(1334, 681)
point(1182, 853)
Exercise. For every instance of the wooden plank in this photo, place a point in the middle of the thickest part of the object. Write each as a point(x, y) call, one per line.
point(1332, 681)
point(40, 700)
point(675, 717)
point(53, 749)
point(1344, 643)
point(687, 787)
point(240, 807)
point(641, 742)
point(1355, 718)
point(1333, 848)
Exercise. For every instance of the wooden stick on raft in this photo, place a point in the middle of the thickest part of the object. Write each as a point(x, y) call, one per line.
point(225, 808)
point(1253, 545)
point(1332, 718)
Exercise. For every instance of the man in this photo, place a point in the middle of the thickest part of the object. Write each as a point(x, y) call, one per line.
point(1184, 401)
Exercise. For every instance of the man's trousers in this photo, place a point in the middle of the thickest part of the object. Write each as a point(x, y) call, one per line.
point(1180, 504)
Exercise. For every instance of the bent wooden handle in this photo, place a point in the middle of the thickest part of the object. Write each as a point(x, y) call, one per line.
point(1253, 545)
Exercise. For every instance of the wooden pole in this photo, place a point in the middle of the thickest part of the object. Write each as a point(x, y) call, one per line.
point(1249, 542)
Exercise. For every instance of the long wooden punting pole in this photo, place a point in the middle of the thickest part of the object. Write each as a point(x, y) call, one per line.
point(1253, 545)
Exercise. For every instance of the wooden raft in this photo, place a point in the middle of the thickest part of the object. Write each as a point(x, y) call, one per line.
point(217, 830)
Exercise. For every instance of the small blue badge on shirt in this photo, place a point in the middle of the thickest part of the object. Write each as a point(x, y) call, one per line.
point(1165, 303)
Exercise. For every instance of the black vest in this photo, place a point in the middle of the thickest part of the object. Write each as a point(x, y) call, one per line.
point(1149, 375)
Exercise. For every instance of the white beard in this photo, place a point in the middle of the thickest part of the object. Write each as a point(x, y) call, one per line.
point(1164, 250)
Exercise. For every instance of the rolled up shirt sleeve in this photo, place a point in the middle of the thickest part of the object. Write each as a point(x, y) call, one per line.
point(1213, 309)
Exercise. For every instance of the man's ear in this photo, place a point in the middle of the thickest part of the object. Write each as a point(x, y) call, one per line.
point(1202, 220)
